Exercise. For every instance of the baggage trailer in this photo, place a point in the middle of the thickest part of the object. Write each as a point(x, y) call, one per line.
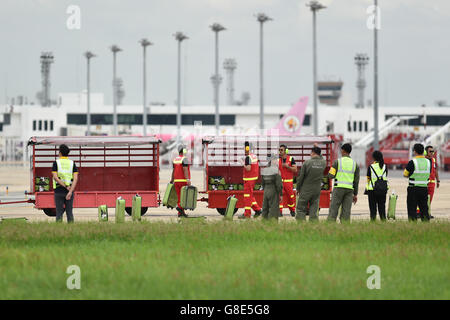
point(224, 156)
point(108, 167)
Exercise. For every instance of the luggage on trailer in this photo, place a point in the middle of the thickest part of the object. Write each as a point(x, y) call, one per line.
point(392, 206)
point(170, 197)
point(136, 208)
point(120, 210)
point(188, 197)
point(103, 213)
point(231, 206)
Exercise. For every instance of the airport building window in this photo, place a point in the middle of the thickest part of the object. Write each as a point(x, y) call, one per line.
point(1, 127)
point(162, 119)
point(102, 119)
point(349, 126)
point(129, 119)
point(76, 118)
point(6, 118)
point(366, 126)
point(360, 126)
point(40, 125)
point(34, 125)
point(307, 120)
point(45, 125)
point(51, 125)
point(354, 126)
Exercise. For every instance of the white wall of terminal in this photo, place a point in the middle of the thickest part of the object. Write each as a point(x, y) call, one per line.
point(22, 122)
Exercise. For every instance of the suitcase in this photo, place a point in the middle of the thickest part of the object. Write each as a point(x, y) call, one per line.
point(392, 206)
point(170, 197)
point(103, 213)
point(120, 210)
point(231, 206)
point(136, 208)
point(188, 197)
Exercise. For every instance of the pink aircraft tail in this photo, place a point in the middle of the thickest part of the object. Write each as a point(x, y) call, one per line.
point(291, 123)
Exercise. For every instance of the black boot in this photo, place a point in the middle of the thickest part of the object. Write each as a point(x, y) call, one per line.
point(257, 214)
point(181, 213)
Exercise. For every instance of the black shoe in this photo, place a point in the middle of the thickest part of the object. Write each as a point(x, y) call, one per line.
point(243, 216)
point(431, 217)
point(181, 213)
point(257, 214)
point(281, 214)
point(293, 213)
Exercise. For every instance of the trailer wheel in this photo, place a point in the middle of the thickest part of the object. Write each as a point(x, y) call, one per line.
point(51, 212)
point(222, 211)
point(143, 210)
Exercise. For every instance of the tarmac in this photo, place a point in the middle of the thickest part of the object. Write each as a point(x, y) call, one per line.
point(18, 180)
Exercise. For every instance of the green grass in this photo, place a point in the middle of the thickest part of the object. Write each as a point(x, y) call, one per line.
point(238, 260)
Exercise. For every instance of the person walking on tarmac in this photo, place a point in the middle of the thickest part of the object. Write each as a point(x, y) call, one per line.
point(287, 167)
point(434, 175)
point(181, 176)
point(309, 185)
point(345, 173)
point(250, 176)
point(377, 195)
point(273, 189)
point(65, 177)
point(418, 171)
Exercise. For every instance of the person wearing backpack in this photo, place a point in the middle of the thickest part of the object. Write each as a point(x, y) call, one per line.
point(377, 186)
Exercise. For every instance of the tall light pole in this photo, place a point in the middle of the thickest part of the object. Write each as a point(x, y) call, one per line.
point(88, 56)
point(375, 82)
point(261, 17)
point(361, 60)
point(315, 6)
point(114, 50)
point(216, 78)
point(144, 43)
point(179, 36)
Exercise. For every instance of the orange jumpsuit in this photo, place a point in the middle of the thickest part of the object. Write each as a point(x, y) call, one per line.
point(179, 180)
point(287, 177)
point(250, 178)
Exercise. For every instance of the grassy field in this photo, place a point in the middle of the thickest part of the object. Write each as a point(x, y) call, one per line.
point(226, 260)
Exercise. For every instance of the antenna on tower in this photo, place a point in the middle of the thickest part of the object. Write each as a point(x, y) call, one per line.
point(230, 65)
point(361, 60)
point(44, 96)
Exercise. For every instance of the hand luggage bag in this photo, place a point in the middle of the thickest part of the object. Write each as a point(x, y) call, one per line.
point(188, 197)
point(136, 208)
point(120, 210)
point(392, 206)
point(170, 197)
point(231, 206)
point(103, 213)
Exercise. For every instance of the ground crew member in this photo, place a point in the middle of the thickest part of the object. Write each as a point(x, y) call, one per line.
point(309, 185)
point(250, 176)
point(65, 178)
point(345, 171)
point(376, 170)
point(418, 171)
point(181, 176)
point(434, 175)
point(287, 167)
point(273, 189)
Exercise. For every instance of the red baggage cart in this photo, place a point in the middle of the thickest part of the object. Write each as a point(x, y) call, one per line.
point(224, 155)
point(108, 167)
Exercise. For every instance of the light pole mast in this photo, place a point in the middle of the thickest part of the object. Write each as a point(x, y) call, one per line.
point(375, 82)
point(144, 43)
point(179, 36)
point(88, 56)
point(315, 6)
point(361, 60)
point(114, 50)
point(261, 17)
point(216, 78)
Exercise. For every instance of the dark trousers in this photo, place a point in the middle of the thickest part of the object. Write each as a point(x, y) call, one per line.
point(63, 205)
point(417, 196)
point(377, 201)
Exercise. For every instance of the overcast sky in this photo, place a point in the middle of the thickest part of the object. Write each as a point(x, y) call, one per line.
point(414, 48)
